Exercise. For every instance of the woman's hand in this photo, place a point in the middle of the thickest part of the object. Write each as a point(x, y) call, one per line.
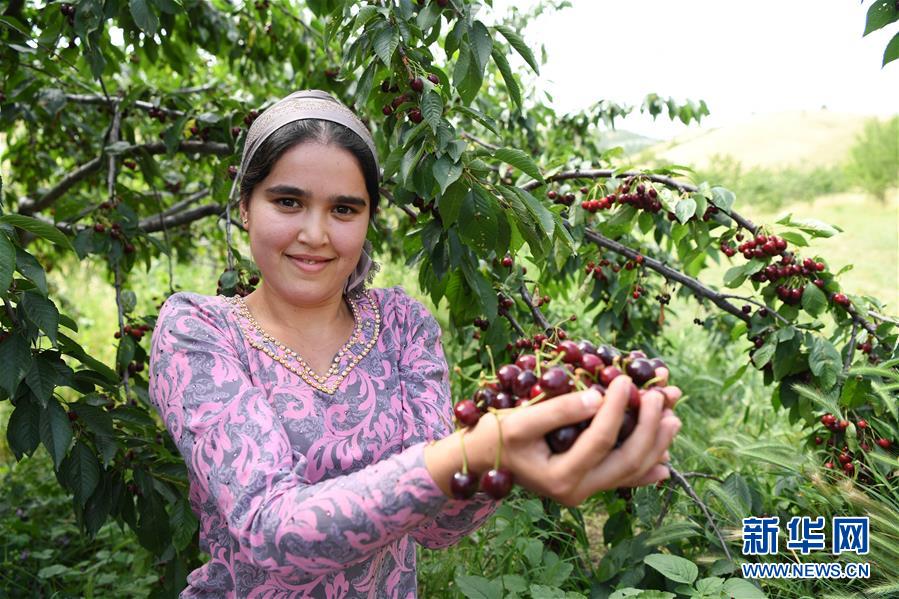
point(593, 463)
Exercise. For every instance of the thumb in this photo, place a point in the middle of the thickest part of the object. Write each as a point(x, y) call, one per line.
point(562, 410)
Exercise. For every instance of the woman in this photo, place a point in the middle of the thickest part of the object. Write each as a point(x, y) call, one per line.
point(314, 415)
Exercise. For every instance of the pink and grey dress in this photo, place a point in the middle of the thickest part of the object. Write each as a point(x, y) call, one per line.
point(299, 492)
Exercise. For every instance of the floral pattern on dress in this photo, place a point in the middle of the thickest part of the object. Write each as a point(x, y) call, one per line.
point(301, 493)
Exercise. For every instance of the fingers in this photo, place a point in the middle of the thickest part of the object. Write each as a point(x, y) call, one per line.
point(634, 458)
point(598, 439)
point(657, 473)
point(668, 428)
point(537, 420)
point(672, 394)
point(662, 376)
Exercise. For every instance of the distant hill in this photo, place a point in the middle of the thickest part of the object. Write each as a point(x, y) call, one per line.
point(631, 143)
point(789, 139)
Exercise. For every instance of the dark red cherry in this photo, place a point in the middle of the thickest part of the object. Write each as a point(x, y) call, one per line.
point(592, 364)
point(523, 383)
point(484, 396)
point(467, 412)
point(586, 347)
point(464, 485)
point(502, 401)
point(608, 374)
point(634, 397)
point(608, 354)
point(497, 482)
point(658, 363)
point(507, 375)
point(555, 381)
point(571, 353)
point(641, 371)
point(561, 439)
point(628, 424)
point(526, 362)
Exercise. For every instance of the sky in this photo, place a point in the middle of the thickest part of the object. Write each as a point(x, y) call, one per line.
point(742, 58)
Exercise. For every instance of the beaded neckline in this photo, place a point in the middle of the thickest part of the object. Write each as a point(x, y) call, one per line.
point(330, 381)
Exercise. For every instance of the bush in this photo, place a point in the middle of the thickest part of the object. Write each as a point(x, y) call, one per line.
point(773, 189)
point(874, 159)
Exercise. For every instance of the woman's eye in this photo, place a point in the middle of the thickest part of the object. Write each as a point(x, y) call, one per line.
point(345, 210)
point(288, 202)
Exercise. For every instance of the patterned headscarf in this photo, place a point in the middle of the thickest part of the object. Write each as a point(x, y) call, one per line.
point(312, 104)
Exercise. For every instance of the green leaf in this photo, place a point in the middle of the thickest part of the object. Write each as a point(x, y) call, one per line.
point(7, 263)
point(517, 42)
point(481, 44)
point(824, 362)
point(478, 587)
point(735, 276)
point(23, 429)
point(81, 472)
point(428, 16)
point(519, 160)
point(813, 300)
point(797, 239)
point(673, 567)
point(446, 172)
point(56, 431)
point(480, 117)
point(723, 198)
point(541, 215)
point(814, 227)
point(31, 269)
point(42, 377)
point(891, 52)
point(386, 42)
point(51, 571)
point(42, 312)
point(125, 352)
point(183, 524)
point(763, 355)
point(685, 209)
point(39, 228)
point(144, 17)
point(478, 219)
point(506, 71)
point(15, 355)
point(880, 14)
point(739, 587)
point(450, 202)
point(432, 108)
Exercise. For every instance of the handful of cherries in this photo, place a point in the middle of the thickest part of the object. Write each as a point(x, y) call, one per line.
point(566, 367)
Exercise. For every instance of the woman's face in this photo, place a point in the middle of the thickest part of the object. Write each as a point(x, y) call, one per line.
point(307, 222)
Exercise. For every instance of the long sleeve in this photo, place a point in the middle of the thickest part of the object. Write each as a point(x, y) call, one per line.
point(240, 461)
point(425, 388)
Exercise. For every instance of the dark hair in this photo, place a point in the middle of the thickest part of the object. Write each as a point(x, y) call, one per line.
point(297, 132)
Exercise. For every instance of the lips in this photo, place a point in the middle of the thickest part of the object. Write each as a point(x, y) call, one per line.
point(309, 259)
point(310, 264)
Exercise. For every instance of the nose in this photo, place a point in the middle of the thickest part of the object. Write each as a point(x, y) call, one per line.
point(313, 229)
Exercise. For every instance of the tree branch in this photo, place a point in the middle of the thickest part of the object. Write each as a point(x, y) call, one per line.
point(479, 141)
point(156, 219)
point(535, 311)
point(687, 281)
point(514, 323)
point(749, 300)
point(29, 207)
point(667, 181)
point(849, 354)
point(682, 482)
point(182, 218)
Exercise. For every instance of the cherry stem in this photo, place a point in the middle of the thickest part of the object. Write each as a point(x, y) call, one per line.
point(464, 456)
point(499, 450)
point(492, 364)
point(458, 371)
